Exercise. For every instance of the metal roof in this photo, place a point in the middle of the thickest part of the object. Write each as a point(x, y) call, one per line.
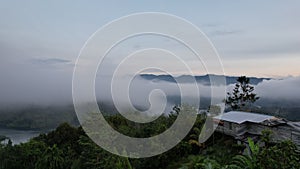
point(241, 117)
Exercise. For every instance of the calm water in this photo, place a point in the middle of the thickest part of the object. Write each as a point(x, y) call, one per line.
point(19, 136)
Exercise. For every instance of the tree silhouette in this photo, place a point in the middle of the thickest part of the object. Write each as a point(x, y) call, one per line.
point(242, 95)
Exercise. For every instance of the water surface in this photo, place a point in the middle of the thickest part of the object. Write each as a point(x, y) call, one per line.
point(19, 136)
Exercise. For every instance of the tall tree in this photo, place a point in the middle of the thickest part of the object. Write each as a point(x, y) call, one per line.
point(51, 159)
point(242, 95)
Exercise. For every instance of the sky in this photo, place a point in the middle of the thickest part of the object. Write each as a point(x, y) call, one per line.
point(41, 40)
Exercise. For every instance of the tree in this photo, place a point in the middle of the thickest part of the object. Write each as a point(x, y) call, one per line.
point(52, 158)
point(30, 152)
point(283, 155)
point(249, 161)
point(266, 137)
point(242, 95)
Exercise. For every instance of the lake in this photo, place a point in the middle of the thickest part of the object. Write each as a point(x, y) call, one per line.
point(19, 136)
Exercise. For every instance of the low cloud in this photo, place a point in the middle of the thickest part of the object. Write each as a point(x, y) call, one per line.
point(56, 88)
point(50, 61)
point(286, 88)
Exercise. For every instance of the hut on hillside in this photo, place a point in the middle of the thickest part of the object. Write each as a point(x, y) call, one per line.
point(242, 125)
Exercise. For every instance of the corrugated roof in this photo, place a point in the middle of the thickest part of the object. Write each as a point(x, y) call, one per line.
point(241, 117)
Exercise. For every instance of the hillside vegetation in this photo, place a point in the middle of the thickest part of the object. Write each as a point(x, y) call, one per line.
point(69, 147)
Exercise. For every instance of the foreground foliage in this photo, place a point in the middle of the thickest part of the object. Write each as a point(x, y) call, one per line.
point(68, 147)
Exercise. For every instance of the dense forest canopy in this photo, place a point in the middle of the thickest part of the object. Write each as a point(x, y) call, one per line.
point(69, 147)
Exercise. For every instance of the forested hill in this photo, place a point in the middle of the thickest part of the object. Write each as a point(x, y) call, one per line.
point(204, 79)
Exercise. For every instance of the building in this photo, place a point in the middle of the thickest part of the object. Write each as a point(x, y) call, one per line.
point(242, 125)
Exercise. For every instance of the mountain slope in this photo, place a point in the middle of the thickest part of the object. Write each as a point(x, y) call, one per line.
point(204, 79)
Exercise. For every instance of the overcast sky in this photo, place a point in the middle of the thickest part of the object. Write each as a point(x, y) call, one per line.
point(40, 40)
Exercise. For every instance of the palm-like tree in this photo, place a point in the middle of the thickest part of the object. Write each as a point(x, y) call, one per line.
point(51, 159)
point(250, 161)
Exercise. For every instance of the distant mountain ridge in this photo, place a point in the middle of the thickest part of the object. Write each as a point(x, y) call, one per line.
point(203, 79)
